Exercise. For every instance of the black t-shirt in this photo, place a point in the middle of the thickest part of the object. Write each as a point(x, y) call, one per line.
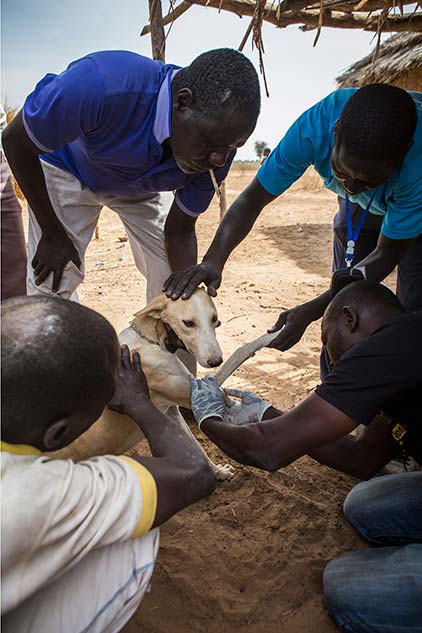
point(383, 375)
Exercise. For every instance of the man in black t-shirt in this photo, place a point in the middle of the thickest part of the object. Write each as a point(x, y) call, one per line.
point(376, 379)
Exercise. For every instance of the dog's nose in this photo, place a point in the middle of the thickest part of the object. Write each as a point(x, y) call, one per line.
point(215, 361)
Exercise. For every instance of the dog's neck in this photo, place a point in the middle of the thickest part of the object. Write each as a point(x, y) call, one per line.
point(151, 329)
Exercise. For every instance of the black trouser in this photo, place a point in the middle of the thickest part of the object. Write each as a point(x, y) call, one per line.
point(409, 273)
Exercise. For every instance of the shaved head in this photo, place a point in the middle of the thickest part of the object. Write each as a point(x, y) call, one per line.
point(356, 312)
point(58, 360)
point(364, 295)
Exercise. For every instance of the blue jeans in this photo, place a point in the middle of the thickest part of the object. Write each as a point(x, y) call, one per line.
point(379, 590)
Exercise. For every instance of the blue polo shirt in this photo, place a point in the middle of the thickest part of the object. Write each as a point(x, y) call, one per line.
point(104, 119)
point(310, 141)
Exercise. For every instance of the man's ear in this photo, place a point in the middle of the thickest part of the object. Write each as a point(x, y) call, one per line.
point(351, 318)
point(183, 99)
point(56, 436)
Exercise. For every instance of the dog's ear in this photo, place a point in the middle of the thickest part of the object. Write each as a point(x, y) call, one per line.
point(154, 308)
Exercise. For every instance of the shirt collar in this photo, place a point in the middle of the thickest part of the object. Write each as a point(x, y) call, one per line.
point(19, 449)
point(162, 121)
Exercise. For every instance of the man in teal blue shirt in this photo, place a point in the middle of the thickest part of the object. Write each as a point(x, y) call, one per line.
point(367, 146)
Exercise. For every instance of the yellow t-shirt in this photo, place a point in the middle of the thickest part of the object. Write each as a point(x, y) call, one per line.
point(56, 511)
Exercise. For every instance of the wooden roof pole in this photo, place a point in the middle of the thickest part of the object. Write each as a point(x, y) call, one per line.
point(158, 44)
point(158, 39)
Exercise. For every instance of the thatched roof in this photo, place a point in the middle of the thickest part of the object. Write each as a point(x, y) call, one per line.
point(397, 56)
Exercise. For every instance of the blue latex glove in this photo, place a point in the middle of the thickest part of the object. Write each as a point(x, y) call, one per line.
point(249, 409)
point(207, 399)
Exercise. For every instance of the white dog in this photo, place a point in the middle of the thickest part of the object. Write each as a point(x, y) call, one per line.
point(194, 321)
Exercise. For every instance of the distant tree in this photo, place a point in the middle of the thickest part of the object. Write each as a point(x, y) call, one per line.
point(259, 148)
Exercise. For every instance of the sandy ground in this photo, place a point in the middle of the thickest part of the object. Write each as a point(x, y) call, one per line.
point(250, 558)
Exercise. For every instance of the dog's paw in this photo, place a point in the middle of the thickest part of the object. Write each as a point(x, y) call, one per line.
point(222, 472)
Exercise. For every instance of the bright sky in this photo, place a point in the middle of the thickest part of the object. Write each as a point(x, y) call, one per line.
point(41, 36)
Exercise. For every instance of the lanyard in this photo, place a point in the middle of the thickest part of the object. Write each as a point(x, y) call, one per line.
point(352, 235)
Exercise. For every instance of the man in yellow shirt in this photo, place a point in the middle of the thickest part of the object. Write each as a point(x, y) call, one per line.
point(80, 540)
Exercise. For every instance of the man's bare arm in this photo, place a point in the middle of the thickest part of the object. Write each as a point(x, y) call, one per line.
point(55, 248)
point(384, 258)
point(378, 265)
point(273, 444)
point(234, 227)
point(180, 239)
point(360, 456)
point(180, 469)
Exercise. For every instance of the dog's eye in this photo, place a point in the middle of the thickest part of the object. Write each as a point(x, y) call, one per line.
point(189, 323)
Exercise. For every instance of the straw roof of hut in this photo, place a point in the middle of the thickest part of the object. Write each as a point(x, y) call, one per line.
point(398, 61)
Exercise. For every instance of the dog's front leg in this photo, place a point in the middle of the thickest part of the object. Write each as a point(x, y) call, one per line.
point(220, 471)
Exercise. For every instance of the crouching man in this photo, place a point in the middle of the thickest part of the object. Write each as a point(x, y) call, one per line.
point(80, 540)
point(376, 380)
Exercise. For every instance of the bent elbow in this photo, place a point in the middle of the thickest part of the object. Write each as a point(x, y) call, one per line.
point(205, 480)
point(276, 464)
point(261, 452)
point(264, 461)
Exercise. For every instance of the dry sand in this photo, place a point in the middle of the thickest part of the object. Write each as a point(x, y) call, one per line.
point(250, 558)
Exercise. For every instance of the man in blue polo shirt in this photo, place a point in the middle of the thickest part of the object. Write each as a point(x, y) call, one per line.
point(367, 146)
point(116, 129)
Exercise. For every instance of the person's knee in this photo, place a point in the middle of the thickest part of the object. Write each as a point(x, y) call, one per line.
point(375, 590)
point(71, 279)
point(339, 601)
point(385, 510)
point(367, 507)
point(356, 508)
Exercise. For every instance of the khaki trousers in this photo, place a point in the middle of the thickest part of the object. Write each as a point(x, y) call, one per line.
point(78, 209)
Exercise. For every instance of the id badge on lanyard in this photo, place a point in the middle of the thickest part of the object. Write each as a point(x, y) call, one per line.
point(353, 234)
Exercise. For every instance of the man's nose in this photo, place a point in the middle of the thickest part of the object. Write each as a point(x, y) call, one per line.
point(218, 159)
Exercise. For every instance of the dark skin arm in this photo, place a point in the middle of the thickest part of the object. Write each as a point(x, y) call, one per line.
point(314, 427)
point(233, 229)
point(179, 468)
point(361, 457)
point(382, 261)
point(55, 248)
point(180, 239)
point(379, 264)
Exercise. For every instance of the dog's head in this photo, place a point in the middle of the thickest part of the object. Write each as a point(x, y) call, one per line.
point(193, 320)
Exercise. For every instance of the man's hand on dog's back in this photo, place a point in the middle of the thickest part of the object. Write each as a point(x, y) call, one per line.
point(131, 383)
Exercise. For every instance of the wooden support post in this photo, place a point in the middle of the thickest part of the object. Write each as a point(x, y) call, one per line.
point(158, 39)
